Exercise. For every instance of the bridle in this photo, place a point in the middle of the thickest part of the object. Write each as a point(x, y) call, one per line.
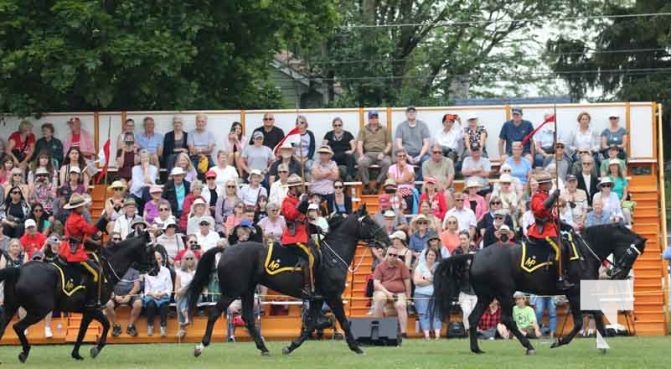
point(368, 241)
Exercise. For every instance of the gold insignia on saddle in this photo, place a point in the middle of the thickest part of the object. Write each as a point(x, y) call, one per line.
point(273, 263)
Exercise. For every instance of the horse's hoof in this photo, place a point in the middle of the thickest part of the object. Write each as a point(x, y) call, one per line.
point(23, 357)
point(603, 351)
point(198, 350)
point(77, 356)
point(94, 352)
point(286, 350)
point(531, 352)
point(265, 353)
point(555, 344)
point(357, 350)
point(477, 351)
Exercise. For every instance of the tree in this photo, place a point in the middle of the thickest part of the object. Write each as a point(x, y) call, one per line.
point(148, 54)
point(628, 60)
point(410, 51)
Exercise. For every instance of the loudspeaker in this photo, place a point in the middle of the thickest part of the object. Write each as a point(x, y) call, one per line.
point(376, 331)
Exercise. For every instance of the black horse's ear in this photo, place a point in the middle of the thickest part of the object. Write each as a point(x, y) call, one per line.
point(362, 209)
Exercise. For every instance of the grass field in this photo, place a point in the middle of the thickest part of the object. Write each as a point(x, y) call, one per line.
point(582, 353)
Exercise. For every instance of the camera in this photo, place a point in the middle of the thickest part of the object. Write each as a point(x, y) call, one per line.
point(195, 246)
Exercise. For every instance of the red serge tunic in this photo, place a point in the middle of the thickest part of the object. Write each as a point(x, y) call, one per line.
point(542, 215)
point(76, 227)
point(292, 214)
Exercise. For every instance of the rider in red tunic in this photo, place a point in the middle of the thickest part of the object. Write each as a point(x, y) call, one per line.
point(296, 233)
point(72, 248)
point(544, 230)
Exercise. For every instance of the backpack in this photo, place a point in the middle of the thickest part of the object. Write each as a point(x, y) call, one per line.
point(456, 330)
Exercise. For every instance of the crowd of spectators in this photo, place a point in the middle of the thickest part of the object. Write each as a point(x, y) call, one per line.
point(193, 193)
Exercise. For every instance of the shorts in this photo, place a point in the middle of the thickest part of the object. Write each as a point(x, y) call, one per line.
point(130, 302)
point(379, 296)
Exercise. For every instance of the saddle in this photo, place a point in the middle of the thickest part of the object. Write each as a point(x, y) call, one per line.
point(536, 255)
point(73, 276)
point(280, 259)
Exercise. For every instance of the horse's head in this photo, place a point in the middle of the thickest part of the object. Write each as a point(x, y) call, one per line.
point(369, 231)
point(626, 253)
point(136, 250)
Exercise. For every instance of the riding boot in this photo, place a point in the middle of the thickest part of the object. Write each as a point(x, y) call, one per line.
point(309, 283)
point(563, 283)
point(93, 289)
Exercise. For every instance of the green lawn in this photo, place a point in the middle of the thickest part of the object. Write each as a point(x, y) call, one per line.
point(582, 353)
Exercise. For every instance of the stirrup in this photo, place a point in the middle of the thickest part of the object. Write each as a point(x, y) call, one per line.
point(564, 284)
point(307, 294)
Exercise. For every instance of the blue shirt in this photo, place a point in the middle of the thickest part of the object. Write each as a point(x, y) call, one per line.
point(511, 133)
point(418, 243)
point(180, 194)
point(151, 143)
point(592, 219)
point(520, 170)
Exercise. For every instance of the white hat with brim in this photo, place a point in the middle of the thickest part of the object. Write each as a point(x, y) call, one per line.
point(504, 228)
point(471, 116)
point(76, 201)
point(117, 184)
point(295, 180)
point(398, 235)
point(325, 150)
point(41, 171)
point(505, 178)
point(605, 180)
point(389, 214)
point(255, 172)
point(177, 171)
point(313, 207)
point(75, 169)
point(29, 223)
point(472, 184)
point(198, 201)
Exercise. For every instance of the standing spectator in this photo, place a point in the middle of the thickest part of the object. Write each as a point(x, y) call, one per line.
point(183, 277)
point(224, 172)
point(391, 284)
point(256, 156)
point(79, 138)
point(451, 137)
point(474, 133)
point(373, 147)
point(525, 317)
point(126, 157)
point(235, 144)
point(584, 137)
point(151, 141)
point(304, 149)
point(157, 290)
point(413, 136)
point(50, 144)
point(423, 278)
point(465, 216)
point(476, 167)
point(128, 127)
point(343, 145)
point(176, 190)
point(542, 303)
point(175, 142)
point(201, 144)
point(21, 145)
point(615, 135)
point(515, 130)
point(272, 135)
point(439, 167)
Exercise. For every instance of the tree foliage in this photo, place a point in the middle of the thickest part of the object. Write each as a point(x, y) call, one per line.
point(412, 51)
point(148, 54)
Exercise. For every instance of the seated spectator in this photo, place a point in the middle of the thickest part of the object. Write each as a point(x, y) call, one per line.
point(199, 211)
point(183, 277)
point(324, 173)
point(13, 212)
point(398, 203)
point(449, 238)
point(421, 233)
point(304, 149)
point(619, 182)
point(175, 142)
point(42, 190)
point(138, 226)
point(74, 184)
point(389, 222)
point(576, 200)
point(122, 224)
point(342, 202)
point(515, 183)
point(211, 191)
point(515, 130)
point(615, 136)
point(207, 238)
point(144, 175)
point(157, 290)
point(476, 167)
point(391, 284)
point(250, 192)
point(544, 141)
point(126, 292)
point(183, 161)
point(525, 317)
point(611, 202)
point(521, 166)
point(151, 141)
point(584, 138)
point(466, 246)
point(50, 145)
point(404, 176)
point(464, 214)
point(343, 144)
point(6, 170)
point(435, 223)
point(192, 245)
point(17, 179)
point(260, 211)
point(126, 157)
point(44, 163)
point(32, 240)
point(151, 207)
point(612, 154)
point(598, 215)
point(384, 205)
point(164, 216)
point(273, 225)
point(560, 159)
point(201, 144)
point(373, 147)
point(542, 303)
point(225, 205)
point(170, 240)
point(436, 199)
point(272, 135)
point(196, 191)
point(315, 218)
point(285, 160)
point(41, 218)
point(413, 137)
point(507, 194)
point(234, 218)
point(495, 205)
point(489, 232)
point(504, 236)
point(234, 145)
point(80, 139)
point(451, 137)
point(576, 167)
point(490, 326)
point(423, 279)
point(587, 179)
point(399, 245)
point(257, 156)
point(224, 172)
point(440, 168)
point(21, 145)
point(474, 201)
point(244, 232)
point(474, 133)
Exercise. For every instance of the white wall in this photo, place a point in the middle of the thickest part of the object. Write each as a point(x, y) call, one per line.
point(641, 121)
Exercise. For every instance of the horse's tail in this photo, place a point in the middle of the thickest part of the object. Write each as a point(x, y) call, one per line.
point(202, 276)
point(450, 274)
point(9, 275)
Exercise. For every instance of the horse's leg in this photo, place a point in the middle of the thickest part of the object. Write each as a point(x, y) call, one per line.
point(474, 319)
point(102, 319)
point(600, 324)
point(20, 326)
point(7, 315)
point(306, 328)
point(248, 315)
point(215, 313)
point(506, 302)
point(576, 313)
point(335, 303)
point(83, 326)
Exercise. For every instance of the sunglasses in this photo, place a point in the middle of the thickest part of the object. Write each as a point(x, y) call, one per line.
point(422, 223)
point(559, 146)
point(273, 210)
point(283, 171)
point(337, 187)
point(211, 178)
point(495, 203)
point(230, 186)
point(301, 123)
point(607, 185)
point(392, 255)
point(499, 217)
point(506, 170)
point(121, 189)
point(15, 192)
point(193, 242)
point(116, 239)
point(337, 125)
point(38, 210)
point(267, 119)
point(16, 175)
point(459, 200)
point(583, 152)
point(188, 258)
point(164, 209)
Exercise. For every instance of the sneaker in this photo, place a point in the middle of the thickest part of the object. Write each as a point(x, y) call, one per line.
point(163, 331)
point(116, 330)
point(47, 332)
point(150, 330)
point(181, 333)
point(131, 330)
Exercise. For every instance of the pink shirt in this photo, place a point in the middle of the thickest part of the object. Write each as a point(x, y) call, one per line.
point(85, 143)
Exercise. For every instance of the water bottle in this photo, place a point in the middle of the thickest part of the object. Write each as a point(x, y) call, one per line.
point(59, 328)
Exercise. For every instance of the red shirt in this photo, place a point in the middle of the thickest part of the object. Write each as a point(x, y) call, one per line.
point(75, 139)
point(392, 277)
point(542, 215)
point(19, 144)
point(32, 243)
point(489, 319)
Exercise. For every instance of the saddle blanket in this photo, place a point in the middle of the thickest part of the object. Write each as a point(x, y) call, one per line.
point(536, 256)
point(72, 277)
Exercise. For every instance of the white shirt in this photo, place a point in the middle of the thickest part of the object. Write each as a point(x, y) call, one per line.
point(450, 138)
point(122, 225)
point(278, 192)
point(209, 241)
point(465, 217)
point(160, 283)
point(224, 175)
point(588, 182)
point(249, 195)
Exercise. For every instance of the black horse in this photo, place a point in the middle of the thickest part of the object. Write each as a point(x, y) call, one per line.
point(496, 272)
point(38, 288)
point(243, 266)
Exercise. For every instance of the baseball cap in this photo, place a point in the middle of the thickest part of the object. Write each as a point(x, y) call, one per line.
point(373, 113)
point(211, 173)
point(571, 177)
point(245, 223)
point(257, 134)
point(204, 221)
point(504, 228)
point(29, 223)
point(313, 206)
point(53, 239)
point(517, 110)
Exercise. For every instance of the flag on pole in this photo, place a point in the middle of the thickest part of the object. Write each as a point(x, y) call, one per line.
point(291, 136)
point(103, 157)
point(548, 119)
